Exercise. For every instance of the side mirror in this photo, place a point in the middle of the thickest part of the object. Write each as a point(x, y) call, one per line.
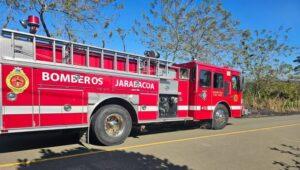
point(242, 81)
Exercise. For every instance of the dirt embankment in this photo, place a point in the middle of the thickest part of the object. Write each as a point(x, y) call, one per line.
point(265, 113)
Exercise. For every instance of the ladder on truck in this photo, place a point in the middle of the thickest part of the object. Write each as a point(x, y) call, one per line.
point(143, 63)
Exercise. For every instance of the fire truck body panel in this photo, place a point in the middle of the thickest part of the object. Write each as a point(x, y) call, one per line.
point(47, 85)
point(50, 92)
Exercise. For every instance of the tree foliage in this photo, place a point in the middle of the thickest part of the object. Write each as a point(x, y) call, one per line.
point(297, 68)
point(122, 33)
point(260, 54)
point(68, 17)
point(184, 29)
point(296, 75)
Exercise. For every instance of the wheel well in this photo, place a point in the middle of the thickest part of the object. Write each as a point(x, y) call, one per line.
point(121, 102)
point(227, 106)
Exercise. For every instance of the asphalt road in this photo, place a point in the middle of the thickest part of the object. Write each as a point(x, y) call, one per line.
point(251, 143)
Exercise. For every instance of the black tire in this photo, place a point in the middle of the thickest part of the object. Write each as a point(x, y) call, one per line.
point(99, 124)
point(220, 117)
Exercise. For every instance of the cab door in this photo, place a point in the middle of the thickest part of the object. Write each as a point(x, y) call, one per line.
point(204, 91)
point(200, 92)
point(235, 96)
point(218, 88)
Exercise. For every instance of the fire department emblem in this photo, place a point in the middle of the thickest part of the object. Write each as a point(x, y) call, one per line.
point(203, 95)
point(17, 81)
point(235, 98)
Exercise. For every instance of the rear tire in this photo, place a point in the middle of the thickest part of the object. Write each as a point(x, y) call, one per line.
point(220, 117)
point(111, 125)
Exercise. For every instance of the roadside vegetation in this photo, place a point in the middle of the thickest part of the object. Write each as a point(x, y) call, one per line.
point(272, 97)
point(271, 83)
point(181, 30)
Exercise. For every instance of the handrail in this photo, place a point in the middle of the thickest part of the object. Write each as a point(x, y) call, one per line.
point(79, 44)
point(72, 46)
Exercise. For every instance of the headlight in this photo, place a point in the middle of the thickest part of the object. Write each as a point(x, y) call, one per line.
point(11, 96)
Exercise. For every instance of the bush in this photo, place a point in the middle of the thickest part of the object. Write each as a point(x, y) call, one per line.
point(275, 96)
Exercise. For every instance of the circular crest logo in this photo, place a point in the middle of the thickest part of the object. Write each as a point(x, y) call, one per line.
point(235, 98)
point(203, 95)
point(17, 81)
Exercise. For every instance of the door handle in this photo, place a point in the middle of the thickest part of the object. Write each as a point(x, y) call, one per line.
point(67, 107)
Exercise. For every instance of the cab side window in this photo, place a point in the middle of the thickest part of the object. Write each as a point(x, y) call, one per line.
point(235, 80)
point(205, 78)
point(184, 73)
point(218, 80)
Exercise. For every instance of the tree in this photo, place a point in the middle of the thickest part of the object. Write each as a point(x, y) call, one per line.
point(297, 68)
point(75, 16)
point(210, 33)
point(183, 29)
point(260, 54)
point(122, 34)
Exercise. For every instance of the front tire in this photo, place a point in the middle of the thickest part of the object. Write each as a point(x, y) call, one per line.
point(111, 125)
point(220, 117)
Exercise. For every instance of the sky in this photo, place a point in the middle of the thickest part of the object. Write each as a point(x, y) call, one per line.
point(252, 14)
point(270, 15)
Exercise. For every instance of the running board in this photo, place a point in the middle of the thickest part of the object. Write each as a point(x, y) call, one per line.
point(176, 119)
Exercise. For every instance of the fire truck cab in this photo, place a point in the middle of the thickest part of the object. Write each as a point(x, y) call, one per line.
point(213, 88)
point(52, 84)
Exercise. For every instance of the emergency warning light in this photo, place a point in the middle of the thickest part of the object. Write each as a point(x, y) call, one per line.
point(33, 22)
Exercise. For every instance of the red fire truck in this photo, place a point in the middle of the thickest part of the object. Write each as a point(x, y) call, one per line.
point(52, 84)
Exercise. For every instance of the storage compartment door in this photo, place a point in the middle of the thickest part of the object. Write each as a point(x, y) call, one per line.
point(61, 107)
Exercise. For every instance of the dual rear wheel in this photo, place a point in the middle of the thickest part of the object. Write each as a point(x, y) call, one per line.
point(111, 125)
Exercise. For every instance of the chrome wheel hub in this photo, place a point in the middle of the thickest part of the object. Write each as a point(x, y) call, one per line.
point(114, 125)
point(220, 117)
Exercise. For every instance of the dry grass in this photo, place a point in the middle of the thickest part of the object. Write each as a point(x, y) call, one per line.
point(274, 105)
